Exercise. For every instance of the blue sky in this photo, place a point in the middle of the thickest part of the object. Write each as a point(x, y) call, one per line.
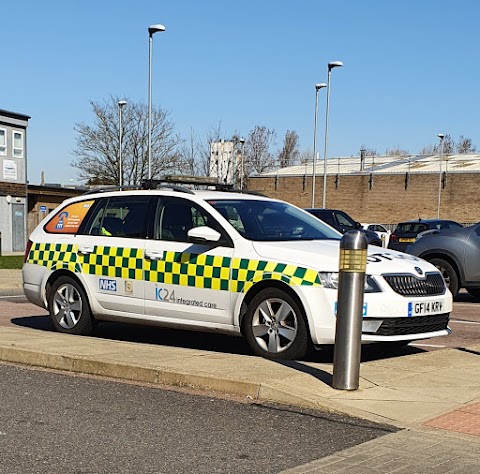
point(410, 70)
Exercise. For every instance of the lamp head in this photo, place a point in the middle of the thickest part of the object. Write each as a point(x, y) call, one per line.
point(441, 135)
point(320, 86)
point(155, 29)
point(121, 103)
point(334, 64)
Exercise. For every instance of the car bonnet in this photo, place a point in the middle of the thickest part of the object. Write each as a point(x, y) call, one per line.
point(323, 255)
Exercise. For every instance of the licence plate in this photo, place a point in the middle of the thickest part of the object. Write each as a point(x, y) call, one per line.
point(406, 240)
point(426, 307)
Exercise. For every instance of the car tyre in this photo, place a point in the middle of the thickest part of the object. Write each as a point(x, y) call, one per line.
point(68, 307)
point(275, 326)
point(475, 292)
point(449, 274)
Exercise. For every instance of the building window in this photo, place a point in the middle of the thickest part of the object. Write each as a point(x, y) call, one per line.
point(17, 144)
point(3, 141)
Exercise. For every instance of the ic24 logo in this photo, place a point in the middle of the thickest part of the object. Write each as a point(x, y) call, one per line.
point(163, 294)
point(108, 285)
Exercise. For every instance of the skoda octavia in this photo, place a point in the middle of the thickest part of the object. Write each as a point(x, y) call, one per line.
point(219, 261)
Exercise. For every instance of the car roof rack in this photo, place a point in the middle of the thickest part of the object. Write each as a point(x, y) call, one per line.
point(113, 187)
point(174, 182)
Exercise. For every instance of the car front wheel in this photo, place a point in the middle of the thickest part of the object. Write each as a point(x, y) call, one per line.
point(449, 274)
point(68, 307)
point(275, 327)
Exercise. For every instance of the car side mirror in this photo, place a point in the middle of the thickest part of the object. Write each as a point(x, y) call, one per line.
point(358, 225)
point(203, 235)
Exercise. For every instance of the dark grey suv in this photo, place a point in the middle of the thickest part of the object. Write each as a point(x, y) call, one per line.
point(341, 221)
point(456, 253)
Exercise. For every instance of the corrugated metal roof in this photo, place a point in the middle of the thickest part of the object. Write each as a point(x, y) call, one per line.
point(465, 163)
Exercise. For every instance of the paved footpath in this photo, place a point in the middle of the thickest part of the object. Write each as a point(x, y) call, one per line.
point(404, 452)
point(434, 396)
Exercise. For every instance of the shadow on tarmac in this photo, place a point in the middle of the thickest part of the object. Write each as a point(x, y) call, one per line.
point(214, 342)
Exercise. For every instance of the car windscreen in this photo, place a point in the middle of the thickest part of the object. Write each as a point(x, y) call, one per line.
point(272, 221)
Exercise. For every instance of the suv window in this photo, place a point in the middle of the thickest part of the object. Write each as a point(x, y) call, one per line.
point(344, 220)
point(123, 216)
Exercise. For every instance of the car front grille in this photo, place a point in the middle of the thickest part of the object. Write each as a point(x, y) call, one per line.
point(410, 285)
point(414, 325)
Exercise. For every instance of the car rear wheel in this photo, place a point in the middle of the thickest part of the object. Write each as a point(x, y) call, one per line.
point(275, 327)
point(449, 274)
point(68, 307)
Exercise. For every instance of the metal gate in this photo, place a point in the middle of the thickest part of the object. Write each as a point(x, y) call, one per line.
point(18, 228)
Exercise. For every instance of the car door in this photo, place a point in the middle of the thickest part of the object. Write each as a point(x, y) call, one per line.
point(186, 283)
point(110, 251)
point(472, 253)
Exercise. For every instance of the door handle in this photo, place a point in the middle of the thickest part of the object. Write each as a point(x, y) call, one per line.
point(154, 255)
point(85, 250)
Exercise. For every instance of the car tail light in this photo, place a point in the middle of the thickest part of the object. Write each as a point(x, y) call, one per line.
point(27, 250)
point(393, 237)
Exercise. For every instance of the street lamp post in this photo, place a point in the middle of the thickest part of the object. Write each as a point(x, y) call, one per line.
point(317, 88)
point(242, 173)
point(441, 136)
point(121, 104)
point(151, 31)
point(330, 67)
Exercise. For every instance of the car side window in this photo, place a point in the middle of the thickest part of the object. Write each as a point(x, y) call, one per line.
point(326, 217)
point(122, 216)
point(175, 217)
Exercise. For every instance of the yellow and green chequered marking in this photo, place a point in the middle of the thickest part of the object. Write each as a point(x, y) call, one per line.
point(54, 255)
point(176, 268)
point(119, 262)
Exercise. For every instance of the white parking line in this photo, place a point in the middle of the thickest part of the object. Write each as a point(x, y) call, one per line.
point(463, 322)
point(426, 345)
point(13, 296)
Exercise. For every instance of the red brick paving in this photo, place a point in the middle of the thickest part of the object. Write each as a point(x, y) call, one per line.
point(463, 420)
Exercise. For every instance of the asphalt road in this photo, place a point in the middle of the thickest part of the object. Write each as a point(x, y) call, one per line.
point(56, 423)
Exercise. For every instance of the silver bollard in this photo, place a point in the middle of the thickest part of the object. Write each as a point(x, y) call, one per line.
point(348, 332)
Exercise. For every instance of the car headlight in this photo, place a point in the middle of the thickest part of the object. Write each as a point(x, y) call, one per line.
point(330, 280)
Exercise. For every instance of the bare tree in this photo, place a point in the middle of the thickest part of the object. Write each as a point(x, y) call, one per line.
point(289, 154)
point(258, 157)
point(214, 135)
point(465, 145)
point(396, 152)
point(190, 155)
point(448, 147)
point(97, 146)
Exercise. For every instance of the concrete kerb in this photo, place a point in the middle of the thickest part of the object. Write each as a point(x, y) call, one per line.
point(260, 392)
point(96, 357)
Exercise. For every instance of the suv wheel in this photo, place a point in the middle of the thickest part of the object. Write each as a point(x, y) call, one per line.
point(449, 274)
point(475, 292)
point(274, 326)
point(68, 307)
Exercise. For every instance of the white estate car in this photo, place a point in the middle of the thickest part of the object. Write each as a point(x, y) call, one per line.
point(380, 230)
point(219, 261)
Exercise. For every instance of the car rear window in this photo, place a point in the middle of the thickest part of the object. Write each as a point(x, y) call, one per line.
point(411, 227)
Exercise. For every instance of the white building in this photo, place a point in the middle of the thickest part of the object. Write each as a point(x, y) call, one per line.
point(13, 180)
point(226, 161)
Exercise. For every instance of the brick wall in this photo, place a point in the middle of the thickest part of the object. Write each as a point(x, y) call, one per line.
point(388, 201)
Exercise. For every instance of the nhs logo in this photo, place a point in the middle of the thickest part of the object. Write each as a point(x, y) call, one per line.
point(108, 285)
